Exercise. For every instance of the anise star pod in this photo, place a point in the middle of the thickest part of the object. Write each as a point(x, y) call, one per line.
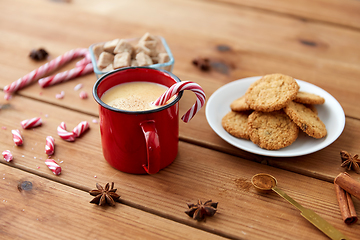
point(199, 211)
point(104, 195)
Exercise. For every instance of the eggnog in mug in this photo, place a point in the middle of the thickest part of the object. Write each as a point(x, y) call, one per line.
point(134, 96)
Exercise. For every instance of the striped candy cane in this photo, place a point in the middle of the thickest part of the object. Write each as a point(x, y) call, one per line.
point(67, 136)
point(45, 69)
point(31, 123)
point(18, 140)
point(53, 166)
point(50, 145)
point(80, 128)
point(7, 155)
point(67, 75)
point(178, 87)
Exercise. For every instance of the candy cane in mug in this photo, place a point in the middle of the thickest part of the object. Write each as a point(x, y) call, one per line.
point(178, 87)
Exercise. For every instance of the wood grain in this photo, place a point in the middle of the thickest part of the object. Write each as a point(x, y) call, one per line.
point(334, 11)
point(37, 208)
point(197, 173)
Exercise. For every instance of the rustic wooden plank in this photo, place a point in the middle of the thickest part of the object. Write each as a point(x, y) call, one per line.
point(334, 11)
point(197, 173)
point(37, 208)
point(323, 55)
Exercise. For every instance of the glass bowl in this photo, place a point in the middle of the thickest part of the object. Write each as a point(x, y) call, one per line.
point(168, 66)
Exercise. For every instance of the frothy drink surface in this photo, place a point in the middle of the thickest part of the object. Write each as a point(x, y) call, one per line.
point(134, 96)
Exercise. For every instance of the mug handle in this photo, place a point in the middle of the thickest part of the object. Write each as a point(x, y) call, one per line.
point(152, 146)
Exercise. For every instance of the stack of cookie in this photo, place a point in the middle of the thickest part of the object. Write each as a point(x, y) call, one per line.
point(272, 111)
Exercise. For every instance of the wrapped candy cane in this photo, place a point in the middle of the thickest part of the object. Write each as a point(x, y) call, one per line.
point(80, 128)
point(31, 123)
point(7, 155)
point(67, 75)
point(45, 69)
point(67, 136)
point(18, 140)
point(178, 87)
point(53, 166)
point(50, 145)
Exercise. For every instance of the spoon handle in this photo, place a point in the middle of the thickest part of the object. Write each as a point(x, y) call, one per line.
point(288, 198)
point(314, 218)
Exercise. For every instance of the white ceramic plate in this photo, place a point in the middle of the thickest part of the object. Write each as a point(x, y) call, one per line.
point(331, 113)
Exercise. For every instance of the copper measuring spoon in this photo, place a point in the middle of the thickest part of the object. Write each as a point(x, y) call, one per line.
point(266, 182)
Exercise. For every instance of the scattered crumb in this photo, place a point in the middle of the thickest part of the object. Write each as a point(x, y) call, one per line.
point(83, 95)
point(95, 121)
point(60, 95)
point(77, 87)
point(3, 127)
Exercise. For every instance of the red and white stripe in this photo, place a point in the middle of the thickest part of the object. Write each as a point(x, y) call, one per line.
point(7, 155)
point(31, 123)
point(46, 68)
point(80, 128)
point(67, 136)
point(83, 95)
point(178, 87)
point(53, 166)
point(18, 140)
point(67, 75)
point(50, 145)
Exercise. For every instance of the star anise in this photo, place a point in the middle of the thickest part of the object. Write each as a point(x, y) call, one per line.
point(199, 211)
point(105, 195)
point(351, 162)
point(38, 54)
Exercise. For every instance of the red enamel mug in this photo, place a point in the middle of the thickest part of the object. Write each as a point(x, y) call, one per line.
point(138, 142)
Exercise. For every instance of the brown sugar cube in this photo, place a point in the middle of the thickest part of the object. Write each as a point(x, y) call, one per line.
point(108, 68)
point(143, 59)
point(123, 46)
point(147, 37)
point(110, 45)
point(98, 49)
point(149, 44)
point(122, 60)
point(155, 60)
point(141, 48)
point(105, 59)
point(134, 63)
point(163, 57)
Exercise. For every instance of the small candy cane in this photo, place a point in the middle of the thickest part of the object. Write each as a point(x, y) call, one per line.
point(83, 95)
point(7, 155)
point(53, 166)
point(178, 87)
point(31, 123)
point(18, 140)
point(67, 75)
point(67, 136)
point(80, 128)
point(50, 145)
point(45, 69)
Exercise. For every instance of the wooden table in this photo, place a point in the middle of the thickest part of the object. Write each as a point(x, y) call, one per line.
point(316, 41)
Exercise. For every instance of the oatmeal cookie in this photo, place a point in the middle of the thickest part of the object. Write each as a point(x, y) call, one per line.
point(235, 123)
point(271, 92)
point(306, 119)
point(272, 130)
point(239, 105)
point(308, 98)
